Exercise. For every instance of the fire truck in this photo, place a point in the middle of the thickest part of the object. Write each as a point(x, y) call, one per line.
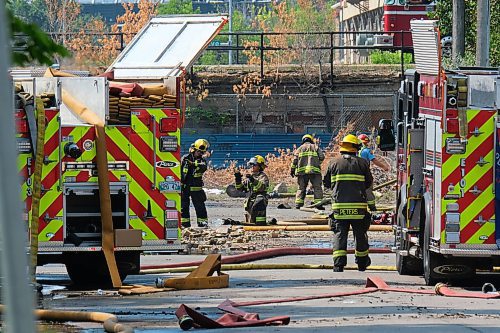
point(399, 13)
point(141, 109)
point(448, 157)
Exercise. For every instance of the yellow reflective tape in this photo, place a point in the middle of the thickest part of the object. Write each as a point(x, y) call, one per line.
point(50, 230)
point(139, 193)
point(473, 143)
point(486, 229)
point(348, 217)
point(49, 197)
point(361, 253)
point(349, 205)
point(475, 208)
point(165, 155)
point(351, 177)
point(339, 253)
point(147, 234)
point(471, 178)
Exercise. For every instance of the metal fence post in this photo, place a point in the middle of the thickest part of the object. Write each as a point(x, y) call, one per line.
point(16, 293)
point(342, 110)
point(237, 114)
point(261, 55)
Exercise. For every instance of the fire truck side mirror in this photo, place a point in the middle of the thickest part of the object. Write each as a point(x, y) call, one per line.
point(386, 140)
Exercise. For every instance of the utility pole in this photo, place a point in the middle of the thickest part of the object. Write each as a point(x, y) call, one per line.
point(458, 29)
point(16, 293)
point(483, 33)
point(230, 39)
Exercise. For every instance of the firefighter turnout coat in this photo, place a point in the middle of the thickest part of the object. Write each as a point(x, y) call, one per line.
point(307, 159)
point(192, 170)
point(349, 176)
point(257, 200)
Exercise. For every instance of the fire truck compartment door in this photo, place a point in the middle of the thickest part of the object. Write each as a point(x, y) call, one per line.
point(166, 46)
point(91, 92)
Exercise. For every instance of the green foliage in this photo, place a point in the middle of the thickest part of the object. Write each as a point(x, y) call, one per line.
point(34, 11)
point(30, 44)
point(210, 116)
point(444, 13)
point(174, 7)
point(386, 57)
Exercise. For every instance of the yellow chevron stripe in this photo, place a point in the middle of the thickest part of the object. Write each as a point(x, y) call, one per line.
point(90, 154)
point(145, 135)
point(49, 197)
point(486, 230)
point(135, 189)
point(139, 224)
point(454, 161)
point(472, 178)
point(476, 207)
point(51, 228)
point(55, 155)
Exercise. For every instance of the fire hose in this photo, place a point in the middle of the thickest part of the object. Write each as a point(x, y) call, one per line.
point(308, 228)
point(109, 321)
point(262, 254)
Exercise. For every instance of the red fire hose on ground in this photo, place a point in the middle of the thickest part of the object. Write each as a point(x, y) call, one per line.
point(189, 318)
point(263, 254)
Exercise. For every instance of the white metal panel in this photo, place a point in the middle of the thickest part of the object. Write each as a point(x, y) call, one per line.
point(426, 46)
point(166, 45)
point(482, 91)
point(91, 92)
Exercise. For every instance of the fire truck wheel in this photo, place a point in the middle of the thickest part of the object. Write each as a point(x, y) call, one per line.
point(407, 265)
point(431, 260)
point(90, 269)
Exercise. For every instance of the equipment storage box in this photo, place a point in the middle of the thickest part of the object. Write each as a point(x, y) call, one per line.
point(128, 237)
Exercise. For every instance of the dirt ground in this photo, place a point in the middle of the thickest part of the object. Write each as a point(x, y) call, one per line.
point(375, 312)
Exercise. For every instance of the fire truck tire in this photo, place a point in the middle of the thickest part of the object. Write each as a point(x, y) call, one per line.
point(431, 260)
point(407, 265)
point(90, 269)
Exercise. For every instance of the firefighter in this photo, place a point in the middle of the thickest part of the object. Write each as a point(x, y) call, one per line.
point(306, 165)
point(255, 184)
point(193, 165)
point(348, 175)
point(366, 153)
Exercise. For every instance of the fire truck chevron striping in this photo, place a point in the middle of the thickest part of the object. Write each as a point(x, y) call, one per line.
point(448, 165)
point(142, 136)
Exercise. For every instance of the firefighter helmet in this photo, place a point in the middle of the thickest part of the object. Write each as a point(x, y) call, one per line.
point(201, 145)
point(308, 138)
point(365, 139)
point(257, 160)
point(350, 144)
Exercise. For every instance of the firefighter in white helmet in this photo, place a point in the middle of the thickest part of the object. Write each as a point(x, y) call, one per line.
point(193, 165)
point(255, 184)
point(306, 165)
point(367, 153)
point(348, 175)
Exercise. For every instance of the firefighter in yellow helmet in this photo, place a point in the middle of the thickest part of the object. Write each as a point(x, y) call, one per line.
point(306, 165)
point(255, 184)
point(348, 175)
point(193, 165)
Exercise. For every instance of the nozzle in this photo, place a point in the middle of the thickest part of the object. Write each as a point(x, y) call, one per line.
point(186, 323)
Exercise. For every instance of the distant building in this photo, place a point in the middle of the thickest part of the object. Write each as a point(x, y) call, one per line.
point(110, 9)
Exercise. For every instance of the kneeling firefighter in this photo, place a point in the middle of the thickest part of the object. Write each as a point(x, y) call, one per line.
point(349, 177)
point(255, 184)
point(193, 165)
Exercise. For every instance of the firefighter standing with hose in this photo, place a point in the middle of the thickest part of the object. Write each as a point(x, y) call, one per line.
point(366, 153)
point(306, 165)
point(193, 165)
point(348, 175)
point(256, 185)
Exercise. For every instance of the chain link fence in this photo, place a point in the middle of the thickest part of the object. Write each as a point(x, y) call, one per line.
point(288, 113)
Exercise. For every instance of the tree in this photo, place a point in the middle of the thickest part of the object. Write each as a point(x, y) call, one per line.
point(443, 13)
point(174, 7)
point(131, 22)
point(30, 44)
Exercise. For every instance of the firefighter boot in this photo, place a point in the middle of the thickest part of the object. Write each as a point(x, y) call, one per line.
point(186, 225)
point(363, 263)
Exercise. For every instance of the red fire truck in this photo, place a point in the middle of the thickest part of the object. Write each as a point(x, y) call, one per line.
point(448, 157)
point(399, 13)
point(142, 133)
